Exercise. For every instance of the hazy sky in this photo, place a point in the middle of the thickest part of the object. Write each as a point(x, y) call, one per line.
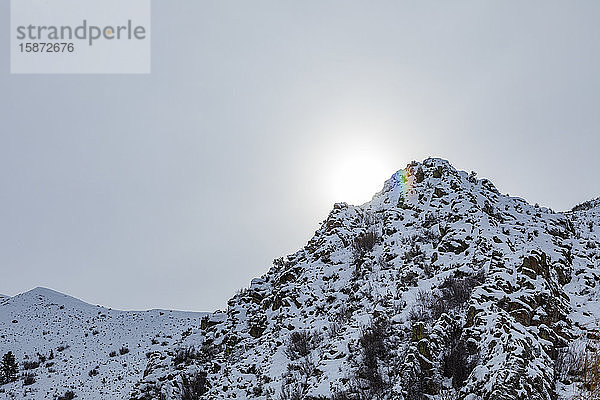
point(174, 189)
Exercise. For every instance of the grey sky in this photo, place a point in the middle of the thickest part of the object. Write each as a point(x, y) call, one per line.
point(174, 189)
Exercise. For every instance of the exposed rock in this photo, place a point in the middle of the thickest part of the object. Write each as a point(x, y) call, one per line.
point(528, 279)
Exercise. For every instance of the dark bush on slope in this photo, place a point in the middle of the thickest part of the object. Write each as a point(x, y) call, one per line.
point(579, 362)
point(28, 379)
point(301, 343)
point(415, 388)
point(185, 355)
point(69, 395)
point(363, 244)
point(457, 363)
point(374, 353)
point(291, 392)
point(454, 292)
point(30, 365)
point(567, 365)
point(194, 386)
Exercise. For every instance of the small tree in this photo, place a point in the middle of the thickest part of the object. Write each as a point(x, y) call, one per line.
point(9, 368)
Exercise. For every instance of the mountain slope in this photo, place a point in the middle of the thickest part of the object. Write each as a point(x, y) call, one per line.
point(439, 286)
point(73, 338)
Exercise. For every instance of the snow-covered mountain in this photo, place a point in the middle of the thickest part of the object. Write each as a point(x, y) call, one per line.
point(440, 288)
point(65, 345)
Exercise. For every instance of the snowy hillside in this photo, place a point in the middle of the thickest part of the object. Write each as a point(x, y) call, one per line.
point(65, 344)
point(440, 287)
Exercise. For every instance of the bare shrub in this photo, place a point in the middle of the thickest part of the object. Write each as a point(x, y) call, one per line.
point(343, 314)
point(363, 244)
point(192, 387)
point(414, 387)
point(302, 370)
point(568, 363)
point(425, 301)
point(301, 343)
point(69, 395)
point(185, 355)
point(455, 291)
point(438, 307)
point(591, 374)
point(335, 328)
point(374, 353)
point(291, 391)
point(429, 220)
point(30, 365)
point(457, 363)
point(28, 378)
point(414, 254)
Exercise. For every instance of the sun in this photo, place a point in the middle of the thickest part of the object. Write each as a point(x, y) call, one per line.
point(357, 173)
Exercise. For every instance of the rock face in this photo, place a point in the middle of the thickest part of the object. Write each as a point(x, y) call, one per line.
point(440, 286)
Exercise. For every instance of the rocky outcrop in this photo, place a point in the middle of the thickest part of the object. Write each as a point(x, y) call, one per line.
point(439, 286)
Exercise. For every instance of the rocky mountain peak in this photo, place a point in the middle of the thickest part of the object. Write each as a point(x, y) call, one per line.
point(440, 286)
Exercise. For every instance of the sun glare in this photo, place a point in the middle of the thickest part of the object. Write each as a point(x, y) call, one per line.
point(357, 175)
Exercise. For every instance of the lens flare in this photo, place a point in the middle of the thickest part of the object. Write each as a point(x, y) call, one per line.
point(402, 183)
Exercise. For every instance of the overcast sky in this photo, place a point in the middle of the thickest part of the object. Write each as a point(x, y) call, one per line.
point(174, 189)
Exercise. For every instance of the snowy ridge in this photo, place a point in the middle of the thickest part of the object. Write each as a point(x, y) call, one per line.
point(588, 205)
point(440, 287)
point(74, 338)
